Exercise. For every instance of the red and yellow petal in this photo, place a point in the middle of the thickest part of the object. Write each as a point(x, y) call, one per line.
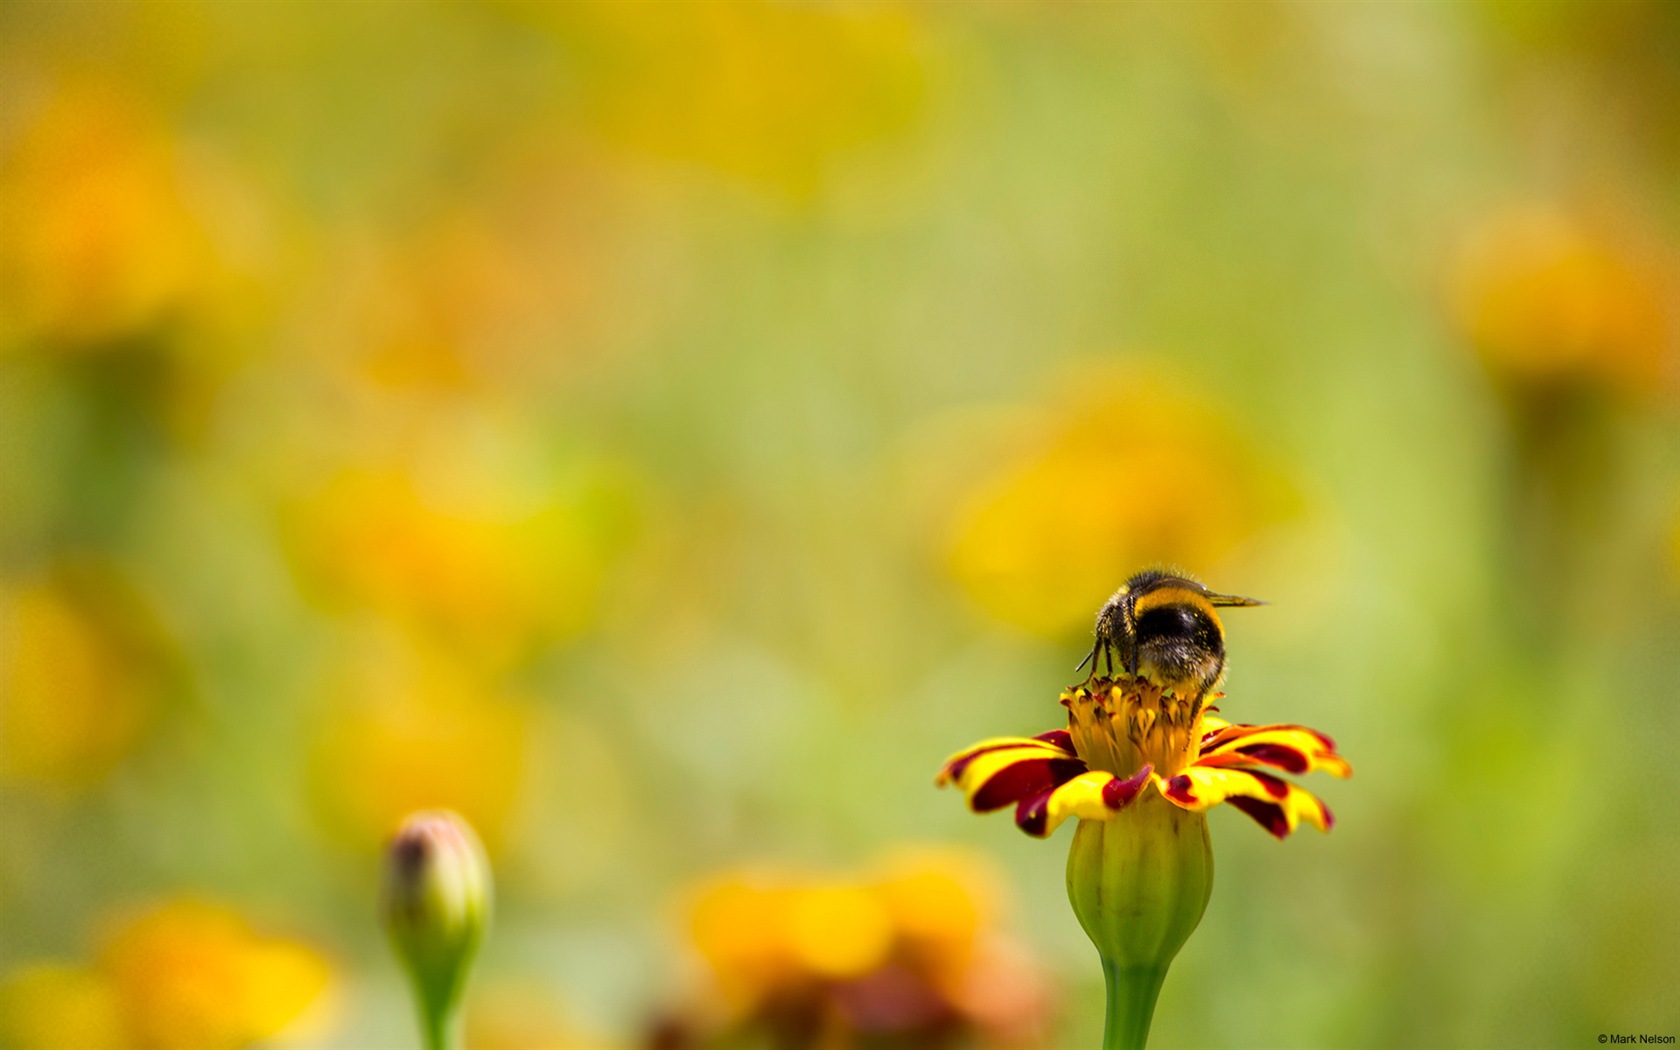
point(1090, 796)
point(1277, 805)
point(1056, 740)
point(1050, 745)
point(1006, 770)
point(1293, 749)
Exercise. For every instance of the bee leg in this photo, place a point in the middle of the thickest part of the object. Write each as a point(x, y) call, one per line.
point(1090, 658)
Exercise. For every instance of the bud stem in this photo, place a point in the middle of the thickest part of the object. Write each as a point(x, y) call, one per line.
point(1131, 1004)
point(1139, 883)
point(436, 905)
point(439, 1027)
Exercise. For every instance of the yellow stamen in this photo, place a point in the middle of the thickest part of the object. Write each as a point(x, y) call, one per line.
point(1121, 724)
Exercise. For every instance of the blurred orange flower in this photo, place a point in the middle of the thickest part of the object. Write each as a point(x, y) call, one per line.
point(1546, 298)
point(100, 240)
point(1122, 471)
point(909, 952)
point(184, 974)
point(80, 677)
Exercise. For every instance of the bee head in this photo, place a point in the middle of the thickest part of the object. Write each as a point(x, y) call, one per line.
point(1163, 625)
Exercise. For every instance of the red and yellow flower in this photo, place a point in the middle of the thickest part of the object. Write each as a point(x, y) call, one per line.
point(1126, 736)
point(1140, 766)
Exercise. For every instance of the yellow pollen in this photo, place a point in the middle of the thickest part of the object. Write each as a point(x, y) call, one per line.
point(1120, 724)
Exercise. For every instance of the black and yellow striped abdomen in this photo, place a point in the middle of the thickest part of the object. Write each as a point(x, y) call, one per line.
point(1164, 626)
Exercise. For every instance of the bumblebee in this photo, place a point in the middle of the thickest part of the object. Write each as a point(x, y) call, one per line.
point(1163, 627)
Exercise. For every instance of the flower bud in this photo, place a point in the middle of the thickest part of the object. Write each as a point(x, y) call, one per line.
point(1139, 884)
point(436, 907)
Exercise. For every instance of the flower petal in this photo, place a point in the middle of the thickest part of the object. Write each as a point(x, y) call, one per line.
point(1090, 796)
point(1058, 738)
point(1276, 804)
point(1291, 748)
point(995, 773)
point(1057, 743)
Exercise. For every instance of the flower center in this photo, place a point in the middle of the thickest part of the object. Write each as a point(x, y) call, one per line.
point(1120, 724)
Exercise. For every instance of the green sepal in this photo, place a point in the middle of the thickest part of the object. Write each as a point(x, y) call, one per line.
point(1139, 883)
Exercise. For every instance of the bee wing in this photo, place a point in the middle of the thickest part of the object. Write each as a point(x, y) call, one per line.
point(1230, 600)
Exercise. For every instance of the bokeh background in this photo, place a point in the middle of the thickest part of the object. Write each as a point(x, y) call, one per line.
point(664, 432)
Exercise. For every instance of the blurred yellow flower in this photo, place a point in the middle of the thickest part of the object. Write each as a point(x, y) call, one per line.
point(824, 961)
point(184, 975)
point(406, 731)
point(1123, 471)
point(737, 925)
point(1547, 298)
point(195, 976)
point(488, 569)
point(770, 92)
point(100, 240)
point(79, 677)
point(940, 905)
point(757, 934)
point(837, 931)
point(48, 1006)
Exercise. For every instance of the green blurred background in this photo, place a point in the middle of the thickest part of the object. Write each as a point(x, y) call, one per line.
point(664, 432)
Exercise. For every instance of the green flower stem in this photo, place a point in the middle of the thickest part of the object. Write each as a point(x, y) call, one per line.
point(1131, 1004)
point(1139, 883)
point(439, 1027)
